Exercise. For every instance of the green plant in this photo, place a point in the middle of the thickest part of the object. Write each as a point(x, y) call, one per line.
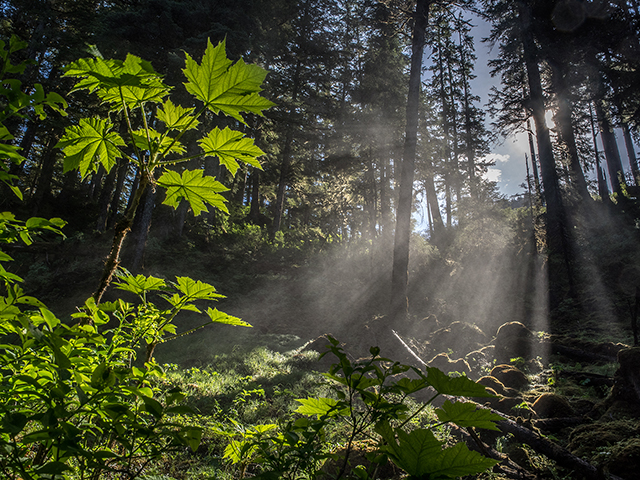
point(74, 400)
point(369, 404)
point(136, 94)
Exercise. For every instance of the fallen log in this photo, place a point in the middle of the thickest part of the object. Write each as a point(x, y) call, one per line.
point(556, 424)
point(563, 457)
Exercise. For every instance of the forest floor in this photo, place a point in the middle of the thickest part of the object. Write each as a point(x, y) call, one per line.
point(558, 382)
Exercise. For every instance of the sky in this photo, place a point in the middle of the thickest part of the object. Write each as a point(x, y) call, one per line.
point(509, 155)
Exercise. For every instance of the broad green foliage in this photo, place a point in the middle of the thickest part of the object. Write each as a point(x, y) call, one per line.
point(14, 102)
point(75, 400)
point(371, 404)
point(133, 91)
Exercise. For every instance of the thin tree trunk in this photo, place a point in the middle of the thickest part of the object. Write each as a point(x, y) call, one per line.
point(610, 145)
point(557, 237)
point(105, 200)
point(400, 274)
point(123, 169)
point(43, 185)
point(142, 226)
point(631, 153)
point(534, 163)
point(567, 136)
point(602, 182)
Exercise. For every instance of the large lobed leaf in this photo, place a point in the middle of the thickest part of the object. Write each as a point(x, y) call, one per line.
point(89, 144)
point(468, 415)
point(217, 316)
point(457, 386)
point(134, 80)
point(421, 455)
point(194, 188)
point(223, 86)
point(229, 145)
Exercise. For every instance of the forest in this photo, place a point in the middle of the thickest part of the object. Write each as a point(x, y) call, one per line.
point(260, 239)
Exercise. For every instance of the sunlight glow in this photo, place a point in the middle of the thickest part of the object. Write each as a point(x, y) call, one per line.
point(548, 118)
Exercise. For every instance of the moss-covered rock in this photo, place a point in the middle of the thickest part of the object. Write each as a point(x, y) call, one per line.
point(550, 405)
point(510, 376)
point(460, 337)
point(514, 340)
point(447, 365)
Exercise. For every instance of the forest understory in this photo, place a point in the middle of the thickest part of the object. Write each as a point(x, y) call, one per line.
point(568, 394)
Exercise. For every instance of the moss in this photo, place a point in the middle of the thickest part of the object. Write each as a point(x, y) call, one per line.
point(612, 446)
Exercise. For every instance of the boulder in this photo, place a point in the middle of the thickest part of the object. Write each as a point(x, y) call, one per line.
point(510, 376)
point(514, 340)
point(460, 337)
point(444, 363)
point(550, 405)
point(497, 386)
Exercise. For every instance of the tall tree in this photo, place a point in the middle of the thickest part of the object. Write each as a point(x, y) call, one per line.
point(400, 275)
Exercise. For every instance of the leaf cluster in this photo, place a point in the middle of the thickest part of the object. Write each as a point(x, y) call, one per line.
point(370, 401)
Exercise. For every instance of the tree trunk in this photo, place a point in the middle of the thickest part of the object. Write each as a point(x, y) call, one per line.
point(602, 182)
point(285, 166)
point(567, 135)
point(400, 275)
point(631, 153)
point(610, 145)
point(534, 163)
point(123, 170)
point(557, 238)
point(142, 226)
point(43, 185)
point(106, 196)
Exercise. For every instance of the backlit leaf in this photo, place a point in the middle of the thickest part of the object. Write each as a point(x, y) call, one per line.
point(194, 188)
point(176, 117)
point(138, 284)
point(319, 406)
point(195, 289)
point(223, 86)
point(229, 145)
point(468, 415)
point(217, 316)
point(156, 142)
point(458, 386)
point(89, 144)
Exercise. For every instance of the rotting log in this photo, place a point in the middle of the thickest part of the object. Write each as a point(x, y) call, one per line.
point(556, 424)
point(563, 457)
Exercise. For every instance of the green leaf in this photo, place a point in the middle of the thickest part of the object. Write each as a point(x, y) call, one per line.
point(138, 284)
point(219, 317)
point(156, 142)
point(229, 145)
point(203, 78)
point(224, 87)
point(90, 144)
point(153, 406)
point(411, 451)
point(194, 188)
point(468, 415)
point(176, 117)
point(196, 290)
point(134, 80)
point(456, 461)
point(320, 407)
point(457, 386)
point(192, 436)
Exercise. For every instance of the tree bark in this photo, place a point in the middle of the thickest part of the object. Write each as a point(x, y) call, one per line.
point(631, 153)
point(610, 145)
point(557, 235)
point(567, 135)
point(104, 202)
point(400, 276)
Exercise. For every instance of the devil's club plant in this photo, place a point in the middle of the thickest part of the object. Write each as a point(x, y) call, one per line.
point(370, 401)
point(155, 125)
point(74, 403)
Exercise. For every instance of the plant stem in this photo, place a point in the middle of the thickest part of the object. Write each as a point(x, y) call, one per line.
point(122, 229)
